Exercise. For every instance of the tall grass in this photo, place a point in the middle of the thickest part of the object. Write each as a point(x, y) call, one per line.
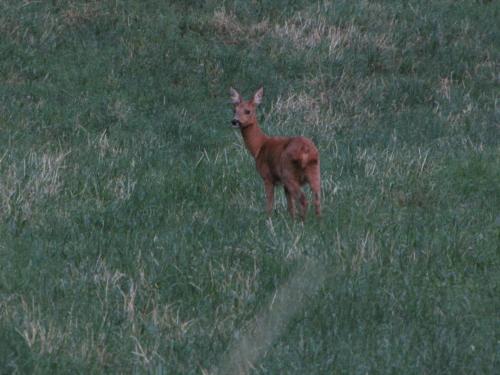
point(133, 237)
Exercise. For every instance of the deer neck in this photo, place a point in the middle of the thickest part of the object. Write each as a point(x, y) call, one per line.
point(254, 138)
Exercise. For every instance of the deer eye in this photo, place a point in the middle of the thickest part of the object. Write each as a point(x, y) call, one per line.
point(247, 112)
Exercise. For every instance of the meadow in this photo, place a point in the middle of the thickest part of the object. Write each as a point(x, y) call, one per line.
point(133, 233)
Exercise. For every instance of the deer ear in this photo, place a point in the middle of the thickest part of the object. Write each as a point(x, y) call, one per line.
point(257, 98)
point(235, 96)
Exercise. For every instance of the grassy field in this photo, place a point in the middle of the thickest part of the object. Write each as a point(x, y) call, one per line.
point(133, 235)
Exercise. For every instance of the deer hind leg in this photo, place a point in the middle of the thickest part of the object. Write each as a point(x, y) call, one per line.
point(303, 204)
point(290, 202)
point(314, 178)
point(294, 192)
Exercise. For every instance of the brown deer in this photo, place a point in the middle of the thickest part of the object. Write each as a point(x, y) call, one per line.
point(291, 161)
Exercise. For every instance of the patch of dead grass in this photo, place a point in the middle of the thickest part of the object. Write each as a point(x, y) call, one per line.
point(227, 26)
point(35, 178)
point(78, 13)
point(309, 31)
point(297, 103)
point(301, 107)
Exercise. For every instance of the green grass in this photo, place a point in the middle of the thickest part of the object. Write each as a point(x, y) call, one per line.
point(133, 236)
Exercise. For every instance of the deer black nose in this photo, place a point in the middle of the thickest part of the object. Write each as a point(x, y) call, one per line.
point(235, 122)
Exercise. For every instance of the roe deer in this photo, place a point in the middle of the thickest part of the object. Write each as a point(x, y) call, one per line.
point(291, 161)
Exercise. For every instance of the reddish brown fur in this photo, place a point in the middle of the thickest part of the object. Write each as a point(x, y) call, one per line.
point(291, 161)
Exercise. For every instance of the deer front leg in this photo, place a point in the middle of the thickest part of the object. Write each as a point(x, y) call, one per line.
point(269, 186)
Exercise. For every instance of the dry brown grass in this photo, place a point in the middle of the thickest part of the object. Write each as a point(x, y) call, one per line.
point(312, 107)
point(24, 184)
point(78, 13)
point(233, 31)
point(296, 105)
point(309, 31)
